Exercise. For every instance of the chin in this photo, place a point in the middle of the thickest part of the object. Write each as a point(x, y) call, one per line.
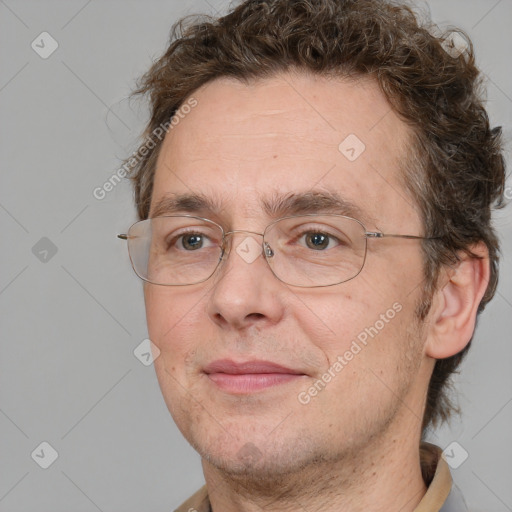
point(257, 455)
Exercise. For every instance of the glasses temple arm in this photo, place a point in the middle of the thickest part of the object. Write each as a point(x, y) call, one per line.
point(378, 234)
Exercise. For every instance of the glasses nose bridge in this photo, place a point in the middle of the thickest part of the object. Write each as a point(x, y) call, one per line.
point(234, 231)
point(227, 247)
point(268, 251)
point(242, 231)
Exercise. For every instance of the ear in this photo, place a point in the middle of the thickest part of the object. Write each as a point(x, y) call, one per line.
point(455, 303)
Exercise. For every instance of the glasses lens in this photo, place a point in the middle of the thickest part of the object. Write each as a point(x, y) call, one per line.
point(316, 250)
point(175, 250)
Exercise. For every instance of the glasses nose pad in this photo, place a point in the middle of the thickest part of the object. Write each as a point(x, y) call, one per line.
point(269, 253)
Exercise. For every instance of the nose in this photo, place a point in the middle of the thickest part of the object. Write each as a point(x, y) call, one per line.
point(245, 291)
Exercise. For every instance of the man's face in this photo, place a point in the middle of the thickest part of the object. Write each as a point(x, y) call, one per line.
point(242, 145)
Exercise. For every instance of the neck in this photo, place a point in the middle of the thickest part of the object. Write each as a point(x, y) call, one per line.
point(384, 475)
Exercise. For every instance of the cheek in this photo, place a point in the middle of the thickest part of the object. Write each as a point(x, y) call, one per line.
point(172, 319)
point(332, 317)
point(366, 318)
point(174, 327)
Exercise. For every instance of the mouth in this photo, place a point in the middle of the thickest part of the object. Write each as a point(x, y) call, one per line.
point(249, 376)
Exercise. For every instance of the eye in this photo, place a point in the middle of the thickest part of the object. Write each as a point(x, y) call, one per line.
point(318, 240)
point(192, 241)
point(189, 241)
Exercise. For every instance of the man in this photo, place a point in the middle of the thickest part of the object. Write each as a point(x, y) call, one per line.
point(315, 242)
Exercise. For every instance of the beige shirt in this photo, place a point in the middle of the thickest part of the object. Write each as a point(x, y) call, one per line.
point(436, 474)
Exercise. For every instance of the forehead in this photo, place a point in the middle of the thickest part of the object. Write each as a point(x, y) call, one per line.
point(290, 134)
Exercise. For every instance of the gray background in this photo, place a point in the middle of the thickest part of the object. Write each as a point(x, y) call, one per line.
point(71, 320)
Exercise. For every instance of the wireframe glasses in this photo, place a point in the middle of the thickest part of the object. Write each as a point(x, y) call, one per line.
point(306, 251)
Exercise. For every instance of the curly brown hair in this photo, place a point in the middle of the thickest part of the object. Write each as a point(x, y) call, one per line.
point(455, 169)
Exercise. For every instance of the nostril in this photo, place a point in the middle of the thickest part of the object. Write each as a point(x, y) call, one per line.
point(254, 316)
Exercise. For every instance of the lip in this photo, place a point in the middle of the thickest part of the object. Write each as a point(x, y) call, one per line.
point(249, 376)
point(248, 367)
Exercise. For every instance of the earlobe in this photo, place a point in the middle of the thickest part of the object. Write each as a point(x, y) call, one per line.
point(456, 302)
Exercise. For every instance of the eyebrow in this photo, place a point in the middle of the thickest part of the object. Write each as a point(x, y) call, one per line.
point(275, 206)
point(185, 203)
point(311, 202)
